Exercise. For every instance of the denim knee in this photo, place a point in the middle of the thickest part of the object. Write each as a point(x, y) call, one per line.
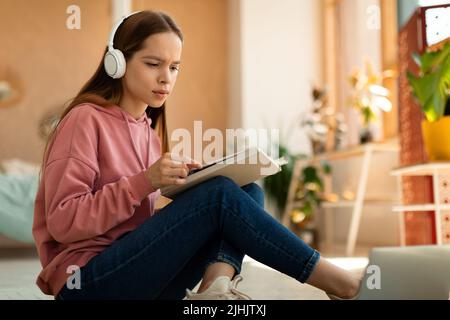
point(256, 192)
point(227, 184)
point(222, 180)
point(255, 189)
point(225, 181)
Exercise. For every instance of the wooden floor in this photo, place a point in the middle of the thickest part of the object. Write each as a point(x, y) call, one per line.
point(19, 268)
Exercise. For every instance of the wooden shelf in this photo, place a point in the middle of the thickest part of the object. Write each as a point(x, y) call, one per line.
point(365, 152)
point(419, 207)
point(338, 204)
point(436, 170)
point(356, 151)
point(426, 169)
point(349, 204)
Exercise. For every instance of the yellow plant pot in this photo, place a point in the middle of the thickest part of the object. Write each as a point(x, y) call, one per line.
point(436, 136)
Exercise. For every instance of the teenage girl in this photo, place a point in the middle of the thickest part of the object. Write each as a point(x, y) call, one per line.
point(97, 232)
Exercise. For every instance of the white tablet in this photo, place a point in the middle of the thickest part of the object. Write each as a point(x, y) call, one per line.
point(243, 168)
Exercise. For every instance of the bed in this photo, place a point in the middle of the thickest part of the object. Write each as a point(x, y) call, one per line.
point(18, 187)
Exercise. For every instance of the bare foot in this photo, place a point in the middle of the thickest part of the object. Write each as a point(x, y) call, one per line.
point(353, 289)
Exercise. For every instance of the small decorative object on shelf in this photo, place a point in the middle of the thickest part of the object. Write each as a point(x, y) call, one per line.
point(322, 123)
point(370, 98)
point(348, 195)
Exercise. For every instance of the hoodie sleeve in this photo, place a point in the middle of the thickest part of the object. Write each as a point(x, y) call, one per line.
point(73, 211)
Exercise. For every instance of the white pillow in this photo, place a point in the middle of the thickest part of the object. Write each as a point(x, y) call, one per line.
point(20, 167)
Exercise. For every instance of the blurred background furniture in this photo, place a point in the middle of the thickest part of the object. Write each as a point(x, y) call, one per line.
point(414, 37)
point(18, 187)
point(439, 173)
point(355, 203)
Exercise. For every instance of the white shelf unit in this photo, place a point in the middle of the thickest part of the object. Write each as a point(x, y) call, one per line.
point(361, 200)
point(435, 170)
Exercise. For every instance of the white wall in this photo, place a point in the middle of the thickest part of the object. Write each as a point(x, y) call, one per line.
point(358, 41)
point(276, 54)
point(276, 57)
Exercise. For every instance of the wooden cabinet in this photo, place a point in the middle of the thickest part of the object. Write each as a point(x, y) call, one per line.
point(439, 208)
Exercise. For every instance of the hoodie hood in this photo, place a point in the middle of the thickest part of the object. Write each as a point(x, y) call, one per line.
point(127, 118)
point(119, 113)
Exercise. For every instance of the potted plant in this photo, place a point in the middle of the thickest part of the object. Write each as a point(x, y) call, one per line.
point(431, 87)
point(310, 189)
point(370, 98)
point(309, 192)
point(322, 122)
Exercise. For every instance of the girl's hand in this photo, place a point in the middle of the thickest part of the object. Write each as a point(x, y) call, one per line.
point(170, 169)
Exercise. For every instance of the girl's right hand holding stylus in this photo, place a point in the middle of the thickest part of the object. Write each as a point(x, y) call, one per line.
point(170, 169)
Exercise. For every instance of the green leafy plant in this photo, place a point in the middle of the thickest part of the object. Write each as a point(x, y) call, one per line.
point(310, 190)
point(432, 86)
point(368, 95)
point(277, 186)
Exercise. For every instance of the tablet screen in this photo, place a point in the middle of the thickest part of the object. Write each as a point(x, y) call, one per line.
point(215, 162)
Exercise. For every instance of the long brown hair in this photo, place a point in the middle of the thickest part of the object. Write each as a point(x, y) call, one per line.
point(106, 91)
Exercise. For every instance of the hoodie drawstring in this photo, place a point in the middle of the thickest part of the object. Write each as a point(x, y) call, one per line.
point(144, 166)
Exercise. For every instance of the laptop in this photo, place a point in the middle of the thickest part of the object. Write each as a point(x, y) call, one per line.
point(408, 273)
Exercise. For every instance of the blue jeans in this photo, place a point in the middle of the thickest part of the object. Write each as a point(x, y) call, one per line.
point(216, 221)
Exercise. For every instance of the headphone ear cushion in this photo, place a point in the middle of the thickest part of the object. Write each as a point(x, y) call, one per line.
point(115, 64)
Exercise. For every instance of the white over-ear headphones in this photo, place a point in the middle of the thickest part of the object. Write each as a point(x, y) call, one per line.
point(114, 61)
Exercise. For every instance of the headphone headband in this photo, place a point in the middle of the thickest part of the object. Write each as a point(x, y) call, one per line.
point(115, 27)
point(114, 60)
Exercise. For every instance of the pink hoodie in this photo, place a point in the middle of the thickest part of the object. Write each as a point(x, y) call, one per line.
point(93, 189)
